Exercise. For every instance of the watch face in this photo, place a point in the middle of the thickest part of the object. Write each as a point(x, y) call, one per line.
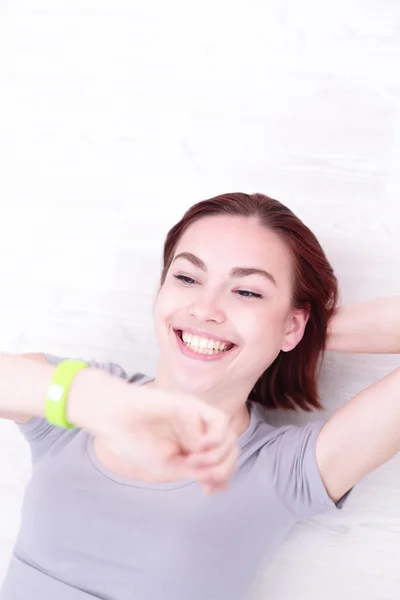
point(55, 392)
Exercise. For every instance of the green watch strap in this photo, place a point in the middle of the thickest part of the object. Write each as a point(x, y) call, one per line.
point(57, 393)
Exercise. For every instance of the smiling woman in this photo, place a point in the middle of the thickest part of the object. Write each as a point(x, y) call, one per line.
point(255, 248)
point(115, 508)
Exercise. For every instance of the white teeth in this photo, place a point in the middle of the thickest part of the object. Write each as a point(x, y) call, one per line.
point(203, 345)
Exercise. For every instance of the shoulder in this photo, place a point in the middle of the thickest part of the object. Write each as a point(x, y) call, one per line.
point(286, 460)
point(288, 438)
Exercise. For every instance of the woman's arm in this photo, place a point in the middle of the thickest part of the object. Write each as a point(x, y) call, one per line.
point(24, 380)
point(360, 436)
point(366, 327)
point(156, 432)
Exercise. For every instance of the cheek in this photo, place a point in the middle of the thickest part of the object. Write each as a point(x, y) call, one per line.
point(161, 316)
point(168, 302)
point(262, 328)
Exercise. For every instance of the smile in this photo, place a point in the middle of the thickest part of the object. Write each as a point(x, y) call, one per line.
point(202, 347)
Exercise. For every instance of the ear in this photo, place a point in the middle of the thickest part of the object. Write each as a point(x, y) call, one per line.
point(295, 327)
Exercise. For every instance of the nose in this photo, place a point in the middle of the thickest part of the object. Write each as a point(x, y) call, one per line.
point(205, 308)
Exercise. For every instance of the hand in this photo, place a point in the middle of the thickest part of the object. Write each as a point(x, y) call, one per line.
point(172, 436)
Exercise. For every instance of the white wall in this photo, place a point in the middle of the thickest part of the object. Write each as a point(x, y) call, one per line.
point(116, 116)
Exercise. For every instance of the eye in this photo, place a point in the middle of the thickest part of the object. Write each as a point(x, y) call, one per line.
point(247, 294)
point(184, 279)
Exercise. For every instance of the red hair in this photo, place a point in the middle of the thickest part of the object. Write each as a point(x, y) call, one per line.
point(290, 382)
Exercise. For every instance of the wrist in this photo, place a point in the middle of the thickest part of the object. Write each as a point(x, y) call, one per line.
point(336, 331)
point(97, 401)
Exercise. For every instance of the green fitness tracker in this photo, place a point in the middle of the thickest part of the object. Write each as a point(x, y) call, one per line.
point(57, 393)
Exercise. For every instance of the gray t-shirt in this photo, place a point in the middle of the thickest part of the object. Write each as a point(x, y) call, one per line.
point(87, 533)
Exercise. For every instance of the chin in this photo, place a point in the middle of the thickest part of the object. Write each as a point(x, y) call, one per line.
point(192, 383)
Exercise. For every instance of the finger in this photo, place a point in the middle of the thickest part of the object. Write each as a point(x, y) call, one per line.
point(217, 427)
point(214, 455)
point(211, 489)
point(190, 429)
point(218, 474)
point(197, 464)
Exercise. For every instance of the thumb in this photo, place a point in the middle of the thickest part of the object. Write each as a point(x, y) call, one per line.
point(217, 427)
point(191, 429)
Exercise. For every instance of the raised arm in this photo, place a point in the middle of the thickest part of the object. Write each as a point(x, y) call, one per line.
point(157, 432)
point(366, 327)
point(360, 436)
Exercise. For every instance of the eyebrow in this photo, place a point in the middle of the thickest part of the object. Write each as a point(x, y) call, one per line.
point(235, 272)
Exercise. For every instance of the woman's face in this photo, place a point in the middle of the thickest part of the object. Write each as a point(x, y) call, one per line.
point(230, 282)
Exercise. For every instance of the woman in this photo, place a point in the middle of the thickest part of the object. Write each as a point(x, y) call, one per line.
point(115, 507)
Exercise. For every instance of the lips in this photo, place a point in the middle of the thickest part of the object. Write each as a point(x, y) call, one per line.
point(203, 340)
point(202, 353)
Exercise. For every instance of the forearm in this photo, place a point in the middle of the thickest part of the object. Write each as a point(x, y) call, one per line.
point(366, 327)
point(23, 388)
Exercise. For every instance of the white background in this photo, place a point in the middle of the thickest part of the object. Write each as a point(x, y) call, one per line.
point(116, 116)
